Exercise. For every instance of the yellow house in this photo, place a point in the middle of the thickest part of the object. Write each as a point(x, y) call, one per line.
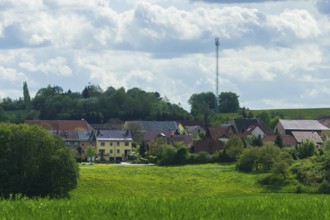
point(113, 145)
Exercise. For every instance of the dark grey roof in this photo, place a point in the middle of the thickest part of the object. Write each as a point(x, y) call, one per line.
point(242, 124)
point(159, 125)
point(300, 125)
point(113, 134)
point(86, 135)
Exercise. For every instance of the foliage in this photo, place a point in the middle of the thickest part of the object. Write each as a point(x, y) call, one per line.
point(257, 141)
point(265, 117)
point(228, 102)
point(266, 158)
point(202, 105)
point(234, 147)
point(143, 149)
point(279, 141)
point(249, 160)
point(34, 163)
point(26, 97)
point(326, 146)
point(306, 149)
point(96, 106)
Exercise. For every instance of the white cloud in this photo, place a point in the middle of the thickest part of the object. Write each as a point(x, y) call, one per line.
point(265, 54)
point(9, 74)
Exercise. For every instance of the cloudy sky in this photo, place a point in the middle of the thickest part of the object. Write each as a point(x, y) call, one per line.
point(273, 54)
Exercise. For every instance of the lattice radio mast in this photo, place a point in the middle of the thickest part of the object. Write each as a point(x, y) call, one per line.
point(217, 44)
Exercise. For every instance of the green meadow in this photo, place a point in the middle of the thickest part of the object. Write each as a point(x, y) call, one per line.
point(210, 191)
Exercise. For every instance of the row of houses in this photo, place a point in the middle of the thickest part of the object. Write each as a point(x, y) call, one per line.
point(117, 144)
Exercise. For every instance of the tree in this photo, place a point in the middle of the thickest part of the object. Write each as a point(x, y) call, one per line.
point(202, 105)
point(143, 149)
point(34, 163)
point(228, 102)
point(26, 97)
point(234, 147)
point(268, 156)
point(249, 160)
point(279, 141)
point(257, 141)
point(265, 117)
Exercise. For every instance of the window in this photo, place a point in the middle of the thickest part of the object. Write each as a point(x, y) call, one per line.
point(126, 143)
point(102, 144)
point(118, 143)
point(111, 151)
point(111, 143)
point(118, 151)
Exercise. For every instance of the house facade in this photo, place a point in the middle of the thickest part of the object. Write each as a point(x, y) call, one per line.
point(113, 145)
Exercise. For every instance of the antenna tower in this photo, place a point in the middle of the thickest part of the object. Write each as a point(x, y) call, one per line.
point(217, 44)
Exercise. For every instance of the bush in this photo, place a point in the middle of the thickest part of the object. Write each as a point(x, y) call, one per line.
point(200, 157)
point(34, 163)
point(249, 160)
point(234, 147)
point(306, 149)
point(271, 179)
point(324, 188)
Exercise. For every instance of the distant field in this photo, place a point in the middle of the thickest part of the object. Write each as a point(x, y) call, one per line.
point(187, 192)
point(309, 113)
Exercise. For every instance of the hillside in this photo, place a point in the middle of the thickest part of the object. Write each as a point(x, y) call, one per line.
point(303, 113)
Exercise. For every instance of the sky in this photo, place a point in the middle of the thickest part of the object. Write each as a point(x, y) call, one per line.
point(273, 54)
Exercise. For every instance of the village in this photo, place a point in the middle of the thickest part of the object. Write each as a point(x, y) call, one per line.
point(102, 143)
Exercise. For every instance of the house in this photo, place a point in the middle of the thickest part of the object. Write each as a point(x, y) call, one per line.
point(195, 130)
point(301, 130)
point(285, 127)
point(152, 136)
point(248, 126)
point(168, 137)
point(187, 140)
point(219, 134)
point(113, 145)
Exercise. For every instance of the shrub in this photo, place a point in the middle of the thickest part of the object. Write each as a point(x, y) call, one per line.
point(324, 188)
point(234, 147)
point(271, 179)
point(306, 149)
point(249, 160)
point(200, 157)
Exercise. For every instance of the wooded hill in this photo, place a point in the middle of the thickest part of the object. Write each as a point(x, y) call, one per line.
point(92, 104)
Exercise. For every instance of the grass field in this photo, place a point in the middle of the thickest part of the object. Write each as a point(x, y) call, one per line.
point(309, 113)
point(187, 192)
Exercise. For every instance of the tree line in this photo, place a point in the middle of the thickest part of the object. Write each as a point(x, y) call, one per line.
point(92, 104)
point(98, 106)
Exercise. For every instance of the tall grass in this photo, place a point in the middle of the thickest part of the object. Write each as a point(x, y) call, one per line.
point(260, 206)
point(186, 192)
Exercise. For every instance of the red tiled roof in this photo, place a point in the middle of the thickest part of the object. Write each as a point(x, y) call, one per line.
point(72, 125)
point(61, 125)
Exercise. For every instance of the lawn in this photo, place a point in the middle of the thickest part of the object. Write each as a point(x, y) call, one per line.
point(185, 192)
